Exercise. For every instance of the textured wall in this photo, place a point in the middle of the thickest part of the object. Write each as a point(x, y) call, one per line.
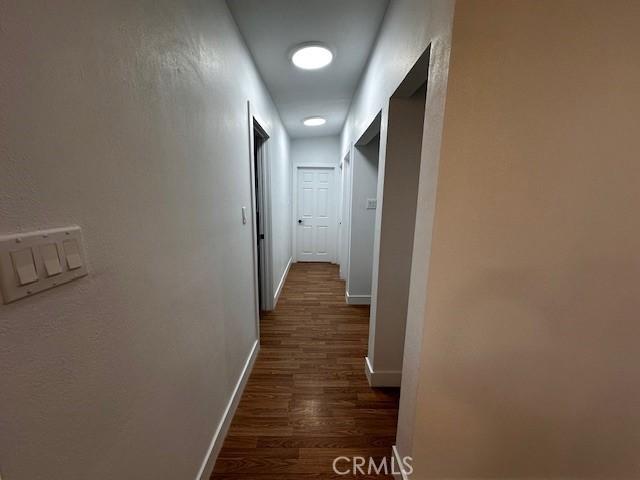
point(128, 118)
point(530, 356)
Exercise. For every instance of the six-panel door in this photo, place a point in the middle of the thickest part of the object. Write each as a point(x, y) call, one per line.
point(316, 221)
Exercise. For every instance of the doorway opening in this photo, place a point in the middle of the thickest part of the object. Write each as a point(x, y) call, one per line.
point(261, 213)
point(399, 173)
point(362, 214)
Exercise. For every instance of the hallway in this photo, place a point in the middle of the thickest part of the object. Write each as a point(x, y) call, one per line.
point(308, 400)
point(432, 197)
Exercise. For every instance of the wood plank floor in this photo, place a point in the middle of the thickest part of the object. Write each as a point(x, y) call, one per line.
point(308, 400)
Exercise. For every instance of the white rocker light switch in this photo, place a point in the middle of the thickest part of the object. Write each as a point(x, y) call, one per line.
point(24, 266)
point(51, 259)
point(72, 252)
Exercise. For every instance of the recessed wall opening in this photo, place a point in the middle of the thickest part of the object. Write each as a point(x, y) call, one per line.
point(398, 176)
point(362, 214)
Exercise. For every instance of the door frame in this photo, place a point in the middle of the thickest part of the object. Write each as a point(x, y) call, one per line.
point(294, 210)
point(261, 283)
point(344, 236)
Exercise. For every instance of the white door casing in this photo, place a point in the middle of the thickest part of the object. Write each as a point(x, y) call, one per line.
point(345, 217)
point(315, 221)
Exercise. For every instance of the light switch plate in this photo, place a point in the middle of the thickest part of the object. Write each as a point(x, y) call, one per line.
point(372, 203)
point(40, 244)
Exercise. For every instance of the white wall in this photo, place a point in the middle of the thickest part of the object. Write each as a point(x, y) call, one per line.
point(363, 187)
point(409, 27)
point(316, 150)
point(280, 171)
point(129, 119)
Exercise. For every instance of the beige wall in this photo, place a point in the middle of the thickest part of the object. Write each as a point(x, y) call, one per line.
point(530, 361)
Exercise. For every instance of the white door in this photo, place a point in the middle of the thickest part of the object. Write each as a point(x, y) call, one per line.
point(316, 217)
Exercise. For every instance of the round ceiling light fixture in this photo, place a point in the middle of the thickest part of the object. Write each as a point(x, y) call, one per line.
point(311, 56)
point(314, 121)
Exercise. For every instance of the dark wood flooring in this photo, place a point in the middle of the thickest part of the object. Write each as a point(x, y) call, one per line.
point(307, 400)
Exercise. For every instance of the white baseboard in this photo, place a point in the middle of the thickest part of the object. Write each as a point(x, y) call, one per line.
point(400, 474)
point(221, 432)
point(281, 284)
point(378, 378)
point(358, 299)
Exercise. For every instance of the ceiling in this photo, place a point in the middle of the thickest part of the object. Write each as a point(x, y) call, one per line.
point(271, 28)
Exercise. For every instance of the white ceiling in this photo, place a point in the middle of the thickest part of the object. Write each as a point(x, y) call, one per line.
point(271, 28)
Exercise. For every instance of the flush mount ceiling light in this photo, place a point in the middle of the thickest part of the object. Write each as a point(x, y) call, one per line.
point(314, 121)
point(311, 56)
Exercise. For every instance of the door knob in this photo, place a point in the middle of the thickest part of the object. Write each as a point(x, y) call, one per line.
point(300, 221)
